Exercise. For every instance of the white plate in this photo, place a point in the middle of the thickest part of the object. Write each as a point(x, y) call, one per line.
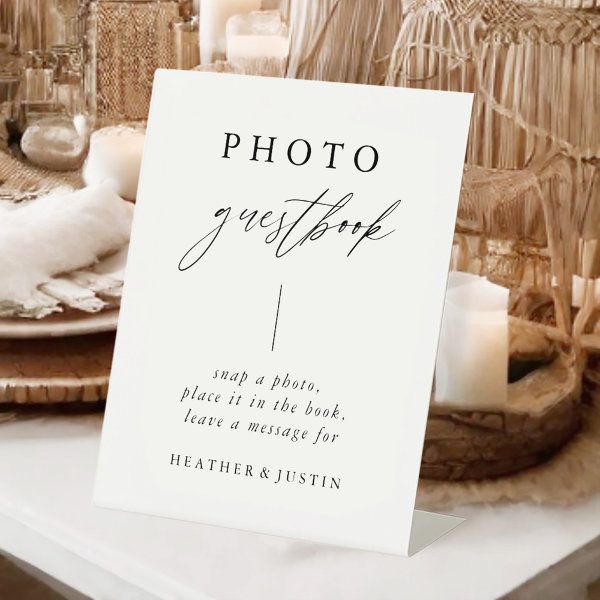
point(59, 325)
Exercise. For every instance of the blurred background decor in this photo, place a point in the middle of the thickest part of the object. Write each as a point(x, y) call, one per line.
point(514, 407)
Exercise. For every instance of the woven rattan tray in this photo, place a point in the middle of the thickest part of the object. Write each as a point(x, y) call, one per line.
point(55, 370)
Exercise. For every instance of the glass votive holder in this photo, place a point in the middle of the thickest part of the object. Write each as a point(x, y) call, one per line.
point(38, 87)
point(42, 24)
point(69, 79)
point(10, 84)
point(187, 49)
point(9, 18)
point(68, 26)
point(30, 25)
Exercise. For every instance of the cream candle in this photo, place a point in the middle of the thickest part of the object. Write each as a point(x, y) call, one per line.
point(472, 361)
point(115, 157)
point(213, 20)
point(258, 43)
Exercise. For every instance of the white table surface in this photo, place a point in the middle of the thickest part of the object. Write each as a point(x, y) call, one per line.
point(46, 518)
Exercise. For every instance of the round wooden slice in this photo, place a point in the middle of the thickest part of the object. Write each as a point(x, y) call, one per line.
point(542, 412)
point(55, 370)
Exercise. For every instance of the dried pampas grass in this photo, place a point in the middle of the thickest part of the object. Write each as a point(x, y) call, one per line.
point(341, 40)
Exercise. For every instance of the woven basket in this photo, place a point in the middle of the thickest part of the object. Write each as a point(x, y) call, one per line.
point(132, 40)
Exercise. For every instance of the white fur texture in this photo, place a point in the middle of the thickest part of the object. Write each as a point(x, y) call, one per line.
point(58, 233)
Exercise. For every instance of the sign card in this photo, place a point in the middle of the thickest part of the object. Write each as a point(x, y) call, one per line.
point(282, 305)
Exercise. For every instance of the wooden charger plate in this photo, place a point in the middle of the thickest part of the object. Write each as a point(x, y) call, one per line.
point(55, 370)
point(63, 358)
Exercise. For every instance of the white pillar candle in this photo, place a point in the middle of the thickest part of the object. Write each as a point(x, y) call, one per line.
point(213, 19)
point(115, 157)
point(258, 43)
point(252, 47)
point(472, 361)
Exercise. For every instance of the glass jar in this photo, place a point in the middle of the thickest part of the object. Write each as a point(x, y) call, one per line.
point(69, 79)
point(10, 83)
point(187, 49)
point(39, 92)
